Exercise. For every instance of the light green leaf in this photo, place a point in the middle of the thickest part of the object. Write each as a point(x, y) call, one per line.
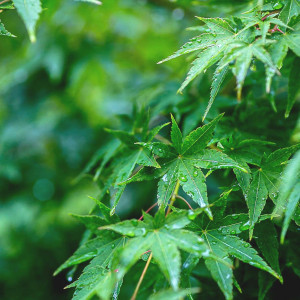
point(168, 258)
point(167, 183)
point(198, 139)
point(91, 222)
point(176, 135)
point(3, 30)
point(90, 250)
point(233, 245)
point(218, 79)
point(205, 59)
point(256, 199)
point(291, 9)
point(29, 10)
point(213, 159)
point(98, 278)
point(192, 181)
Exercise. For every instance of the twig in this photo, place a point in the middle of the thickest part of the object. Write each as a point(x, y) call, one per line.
point(141, 278)
point(274, 12)
point(152, 206)
point(175, 193)
point(181, 198)
point(4, 1)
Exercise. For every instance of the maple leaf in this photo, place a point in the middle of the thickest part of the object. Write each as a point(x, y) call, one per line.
point(222, 240)
point(182, 162)
point(289, 194)
point(290, 9)
point(264, 182)
point(164, 236)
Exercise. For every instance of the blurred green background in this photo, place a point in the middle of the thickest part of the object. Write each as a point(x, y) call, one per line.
point(88, 69)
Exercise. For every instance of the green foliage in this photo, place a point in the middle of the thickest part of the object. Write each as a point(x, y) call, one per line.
point(221, 172)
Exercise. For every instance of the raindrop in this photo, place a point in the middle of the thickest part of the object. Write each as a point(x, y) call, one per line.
point(245, 226)
point(130, 233)
point(191, 215)
point(183, 178)
point(113, 246)
point(195, 174)
point(232, 232)
point(214, 243)
point(235, 217)
point(246, 245)
point(69, 278)
point(277, 5)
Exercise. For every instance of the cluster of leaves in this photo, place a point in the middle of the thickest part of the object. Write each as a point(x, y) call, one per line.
point(214, 233)
point(29, 11)
point(263, 34)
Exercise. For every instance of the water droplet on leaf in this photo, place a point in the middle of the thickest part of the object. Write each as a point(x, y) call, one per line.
point(183, 178)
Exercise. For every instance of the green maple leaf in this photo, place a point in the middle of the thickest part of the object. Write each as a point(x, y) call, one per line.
point(164, 236)
point(29, 11)
point(264, 182)
point(124, 158)
point(181, 164)
point(222, 240)
point(97, 278)
point(289, 194)
point(224, 43)
point(290, 9)
point(3, 30)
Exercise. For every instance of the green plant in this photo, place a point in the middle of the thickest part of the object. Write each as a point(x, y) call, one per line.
point(197, 235)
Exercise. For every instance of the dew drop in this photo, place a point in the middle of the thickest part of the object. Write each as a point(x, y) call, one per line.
point(278, 5)
point(214, 243)
point(130, 233)
point(69, 278)
point(113, 246)
point(235, 217)
point(245, 226)
point(183, 178)
point(195, 174)
point(246, 245)
point(232, 232)
point(191, 215)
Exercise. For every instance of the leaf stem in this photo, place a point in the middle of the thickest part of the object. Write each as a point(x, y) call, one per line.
point(173, 198)
point(274, 12)
point(181, 198)
point(141, 278)
point(4, 1)
point(152, 206)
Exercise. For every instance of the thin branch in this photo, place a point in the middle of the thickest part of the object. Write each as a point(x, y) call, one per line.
point(141, 278)
point(181, 198)
point(4, 1)
point(175, 193)
point(152, 206)
point(274, 12)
